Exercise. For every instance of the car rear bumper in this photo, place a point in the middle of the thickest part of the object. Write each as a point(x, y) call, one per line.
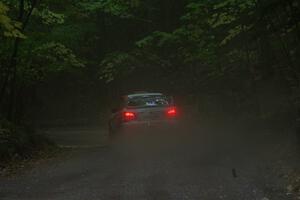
point(149, 126)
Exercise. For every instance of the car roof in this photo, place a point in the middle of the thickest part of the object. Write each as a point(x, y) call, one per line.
point(143, 95)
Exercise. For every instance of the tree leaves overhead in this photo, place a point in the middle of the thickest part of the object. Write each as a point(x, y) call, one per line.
point(49, 17)
point(57, 56)
point(228, 39)
point(116, 65)
point(197, 45)
point(50, 58)
point(9, 27)
point(120, 8)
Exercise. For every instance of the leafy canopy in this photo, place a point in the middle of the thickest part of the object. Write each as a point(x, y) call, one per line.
point(9, 27)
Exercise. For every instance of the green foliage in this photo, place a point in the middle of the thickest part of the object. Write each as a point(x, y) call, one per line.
point(120, 8)
point(227, 44)
point(10, 28)
point(49, 17)
point(157, 38)
point(57, 54)
point(198, 45)
point(115, 65)
point(49, 58)
point(234, 32)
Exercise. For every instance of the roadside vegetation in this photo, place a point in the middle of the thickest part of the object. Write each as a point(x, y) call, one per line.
point(19, 143)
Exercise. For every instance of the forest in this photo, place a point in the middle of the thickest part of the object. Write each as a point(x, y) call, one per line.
point(62, 60)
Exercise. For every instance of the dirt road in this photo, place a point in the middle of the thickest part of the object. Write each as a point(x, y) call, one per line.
point(193, 170)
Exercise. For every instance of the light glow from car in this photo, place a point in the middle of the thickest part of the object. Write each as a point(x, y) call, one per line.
point(129, 116)
point(172, 112)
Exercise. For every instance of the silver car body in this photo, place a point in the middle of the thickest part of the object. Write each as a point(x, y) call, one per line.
point(151, 111)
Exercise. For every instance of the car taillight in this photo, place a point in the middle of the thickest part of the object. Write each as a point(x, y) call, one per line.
point(172, 112)
point(129, 116)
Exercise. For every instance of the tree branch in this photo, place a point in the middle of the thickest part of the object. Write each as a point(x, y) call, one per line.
point(34, 3)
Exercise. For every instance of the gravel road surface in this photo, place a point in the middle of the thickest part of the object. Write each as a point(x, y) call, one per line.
point(151, 168)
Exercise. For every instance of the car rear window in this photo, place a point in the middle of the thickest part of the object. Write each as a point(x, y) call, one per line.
point(148, 101)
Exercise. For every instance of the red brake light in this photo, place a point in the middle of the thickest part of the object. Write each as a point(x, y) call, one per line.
point(129, 116)
point(172, 112)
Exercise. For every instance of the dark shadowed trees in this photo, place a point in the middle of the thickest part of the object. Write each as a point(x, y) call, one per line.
point(233, 51)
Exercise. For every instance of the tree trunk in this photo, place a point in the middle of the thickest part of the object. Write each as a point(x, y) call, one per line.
point(12, 67)
point(254, 75)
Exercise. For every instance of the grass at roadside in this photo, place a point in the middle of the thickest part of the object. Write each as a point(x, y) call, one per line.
point(19, 165)
point(21, 145)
